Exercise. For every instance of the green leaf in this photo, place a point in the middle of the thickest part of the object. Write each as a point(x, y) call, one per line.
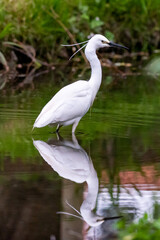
point(83, 8)
point(6, 30)
point(72, 20)
point(109, 35)
point(96, 22)
point(85, 16)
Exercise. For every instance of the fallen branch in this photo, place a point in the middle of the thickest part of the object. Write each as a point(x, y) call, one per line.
point(27, 50)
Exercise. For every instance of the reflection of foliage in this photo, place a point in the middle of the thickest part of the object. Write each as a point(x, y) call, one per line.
point(156, 212)
point(145, 229)
point(126, 119)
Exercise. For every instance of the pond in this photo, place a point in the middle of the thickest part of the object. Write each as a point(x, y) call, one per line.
point(109, 168)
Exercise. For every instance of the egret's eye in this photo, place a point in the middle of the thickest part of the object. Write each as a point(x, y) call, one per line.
point(104, 42)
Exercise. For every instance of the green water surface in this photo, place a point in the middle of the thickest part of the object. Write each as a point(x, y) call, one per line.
point(121, 135)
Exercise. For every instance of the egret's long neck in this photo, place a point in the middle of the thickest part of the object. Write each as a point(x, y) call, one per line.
point(96, 70)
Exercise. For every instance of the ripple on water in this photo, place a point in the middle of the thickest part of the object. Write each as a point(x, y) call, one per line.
point(132, 118)
point(8, 113)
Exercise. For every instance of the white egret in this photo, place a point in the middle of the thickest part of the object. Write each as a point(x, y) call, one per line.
point(73, 101)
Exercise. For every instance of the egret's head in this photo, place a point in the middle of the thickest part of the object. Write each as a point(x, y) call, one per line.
point(96, 42)
point(99, 41)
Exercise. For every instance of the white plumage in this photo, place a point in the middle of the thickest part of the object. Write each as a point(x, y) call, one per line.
point(67, 106)
point(67, 158)
point(73, 101)
point(71, 161)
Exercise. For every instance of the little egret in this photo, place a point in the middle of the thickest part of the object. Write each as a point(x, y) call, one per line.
point(73, 101)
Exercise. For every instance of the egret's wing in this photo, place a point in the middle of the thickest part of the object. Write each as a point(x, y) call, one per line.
point(71, 109)
point(68, 162)
point(70, 102)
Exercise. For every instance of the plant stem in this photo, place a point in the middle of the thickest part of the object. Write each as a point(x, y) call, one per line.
point(57, 19)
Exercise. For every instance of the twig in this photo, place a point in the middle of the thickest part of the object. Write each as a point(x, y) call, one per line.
point(57, 19)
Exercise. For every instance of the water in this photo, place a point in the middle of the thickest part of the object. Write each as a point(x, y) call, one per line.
point(112, 165)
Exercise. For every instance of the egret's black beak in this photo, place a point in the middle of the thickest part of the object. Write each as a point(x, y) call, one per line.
point(112, 44)
point(109, 218)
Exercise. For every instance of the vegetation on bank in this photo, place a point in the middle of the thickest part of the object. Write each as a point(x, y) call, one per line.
point(46, 24)
point(32, 31)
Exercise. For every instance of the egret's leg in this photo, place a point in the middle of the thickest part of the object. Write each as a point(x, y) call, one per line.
point(59, 137)
point(58, 127)
point(74, 139)
point(75, 125)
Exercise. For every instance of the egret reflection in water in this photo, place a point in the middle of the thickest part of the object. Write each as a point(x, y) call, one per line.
point(71, 161)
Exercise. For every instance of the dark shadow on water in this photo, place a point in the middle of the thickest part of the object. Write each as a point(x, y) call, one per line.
point(25, 206)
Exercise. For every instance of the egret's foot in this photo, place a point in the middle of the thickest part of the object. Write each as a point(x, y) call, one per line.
point(58, 127)
point(59, 137)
